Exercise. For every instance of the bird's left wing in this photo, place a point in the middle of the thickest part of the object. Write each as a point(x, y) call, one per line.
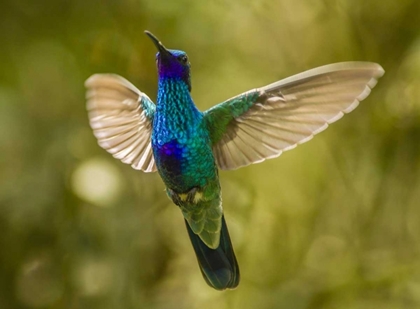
point(262, 123)
point(121, 117)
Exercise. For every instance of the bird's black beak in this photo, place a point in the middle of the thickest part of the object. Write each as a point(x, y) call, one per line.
point(162, 49)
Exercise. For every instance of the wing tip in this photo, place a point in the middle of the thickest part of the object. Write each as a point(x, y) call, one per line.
point(104, 79)
point(95, 78)
point(375, 68)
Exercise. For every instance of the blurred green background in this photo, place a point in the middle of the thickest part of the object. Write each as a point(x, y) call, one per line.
point(334, 223)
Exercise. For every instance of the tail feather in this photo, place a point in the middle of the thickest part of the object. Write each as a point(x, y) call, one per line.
point(218, 266)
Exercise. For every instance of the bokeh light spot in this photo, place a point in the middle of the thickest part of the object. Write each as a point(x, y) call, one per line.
point(97, 181)
point(94, 276)
point(37, 284)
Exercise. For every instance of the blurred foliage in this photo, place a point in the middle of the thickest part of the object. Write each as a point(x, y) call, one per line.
point(334, 223)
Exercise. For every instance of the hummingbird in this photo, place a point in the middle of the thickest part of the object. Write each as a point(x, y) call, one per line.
point(187, 147)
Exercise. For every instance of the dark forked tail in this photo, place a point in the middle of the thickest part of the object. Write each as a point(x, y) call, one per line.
point(218, 266)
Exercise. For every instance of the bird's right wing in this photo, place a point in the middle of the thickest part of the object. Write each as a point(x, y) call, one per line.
point(262, 123)
point(121, 117)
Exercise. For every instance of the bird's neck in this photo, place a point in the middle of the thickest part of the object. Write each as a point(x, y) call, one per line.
point(176, 113)
point(174, 100)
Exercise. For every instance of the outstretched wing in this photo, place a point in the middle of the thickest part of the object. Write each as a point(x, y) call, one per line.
point(121, 118)
point(262, 123)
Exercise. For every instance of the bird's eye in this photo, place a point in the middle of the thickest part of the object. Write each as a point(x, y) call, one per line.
point(183, 59)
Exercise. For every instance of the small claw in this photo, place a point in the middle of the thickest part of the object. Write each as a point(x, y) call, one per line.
point(191, 196)
point(174, 197)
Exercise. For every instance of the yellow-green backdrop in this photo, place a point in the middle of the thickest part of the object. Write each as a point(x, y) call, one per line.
point(334, 223)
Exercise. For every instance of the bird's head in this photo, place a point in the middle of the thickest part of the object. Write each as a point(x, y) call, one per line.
point(171, 63)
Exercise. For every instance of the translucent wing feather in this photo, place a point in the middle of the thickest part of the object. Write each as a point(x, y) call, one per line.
point(264, 122)
point(121, 118)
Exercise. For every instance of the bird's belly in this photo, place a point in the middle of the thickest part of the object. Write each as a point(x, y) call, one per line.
point(185, 166)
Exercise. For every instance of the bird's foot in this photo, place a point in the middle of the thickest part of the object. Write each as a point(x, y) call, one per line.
point(193, 196)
